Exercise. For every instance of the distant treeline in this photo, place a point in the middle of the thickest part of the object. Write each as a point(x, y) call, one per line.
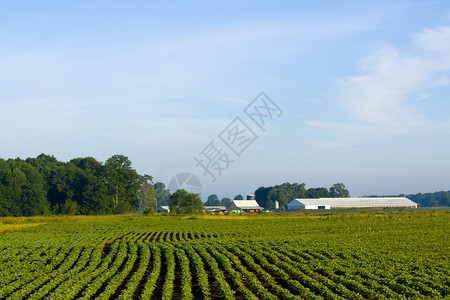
point(286, 192)
point(436, 199)
point(44, 186)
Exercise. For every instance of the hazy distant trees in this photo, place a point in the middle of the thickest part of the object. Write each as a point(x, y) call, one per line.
point(213, 200)
point(239, 197)
point(162, 194)
point(225, 202)
point(147, 197)
point(436, 199)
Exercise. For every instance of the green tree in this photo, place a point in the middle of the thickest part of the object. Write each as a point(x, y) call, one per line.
point(147, 196)
point(213, 200)
point(8, 194)
point(64, 183)
point(283, 193)
point(226, 202)
point(239, 197)
point(161, 194)
point(123, 184)
point(182, 202)
point(94, 197)
point(319, 192)
point(22, 189)
point(338, 190)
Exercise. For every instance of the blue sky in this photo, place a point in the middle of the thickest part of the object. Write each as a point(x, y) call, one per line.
point(364, 88)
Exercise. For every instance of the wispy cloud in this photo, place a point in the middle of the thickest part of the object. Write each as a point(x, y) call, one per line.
point(386, 99)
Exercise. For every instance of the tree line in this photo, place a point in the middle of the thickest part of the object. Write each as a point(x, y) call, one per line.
point(213, 200)
point(436, 199)
point(44, 185)
point(84, 186)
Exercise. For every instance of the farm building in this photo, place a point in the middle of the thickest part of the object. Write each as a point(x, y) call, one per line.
point(343, 203)
point(215, 208)
point(244, 206)
point(163, 209)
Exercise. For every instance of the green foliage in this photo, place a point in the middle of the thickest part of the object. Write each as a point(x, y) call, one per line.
point(320, 192)
point(437, 199)
point(22, 189)
point(44, 185)
point(94, 198)
point(122, 183)
point(162, 194)
point(182, 202)
point(338, 190)
point(147, 197)
point(239, 197)
point(213, 200)
point(283, 193)
point(225, 202)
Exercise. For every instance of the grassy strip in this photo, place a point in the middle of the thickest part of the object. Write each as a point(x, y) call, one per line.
point(12, 227)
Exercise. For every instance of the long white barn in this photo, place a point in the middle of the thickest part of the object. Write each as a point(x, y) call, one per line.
point(343, 203)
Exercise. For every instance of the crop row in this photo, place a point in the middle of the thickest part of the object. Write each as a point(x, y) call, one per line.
point(245, 259)
point(170, 270)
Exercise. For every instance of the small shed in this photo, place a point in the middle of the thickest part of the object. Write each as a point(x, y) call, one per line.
point(244, 206)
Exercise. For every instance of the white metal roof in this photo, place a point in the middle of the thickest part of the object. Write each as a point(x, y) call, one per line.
point(247, 204)
point(215, 207)
point(376, 201)
point(164, 207)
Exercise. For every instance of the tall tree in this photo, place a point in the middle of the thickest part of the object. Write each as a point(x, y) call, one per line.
point(147, 196)
point(123, 184)
point(338, 190)
point(239, 197)
point(94, 197)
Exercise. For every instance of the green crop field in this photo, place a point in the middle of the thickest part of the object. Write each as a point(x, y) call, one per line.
point(378, 255)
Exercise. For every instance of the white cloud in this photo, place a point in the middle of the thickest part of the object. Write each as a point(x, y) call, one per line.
point(435, 41)
point(387, 98)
